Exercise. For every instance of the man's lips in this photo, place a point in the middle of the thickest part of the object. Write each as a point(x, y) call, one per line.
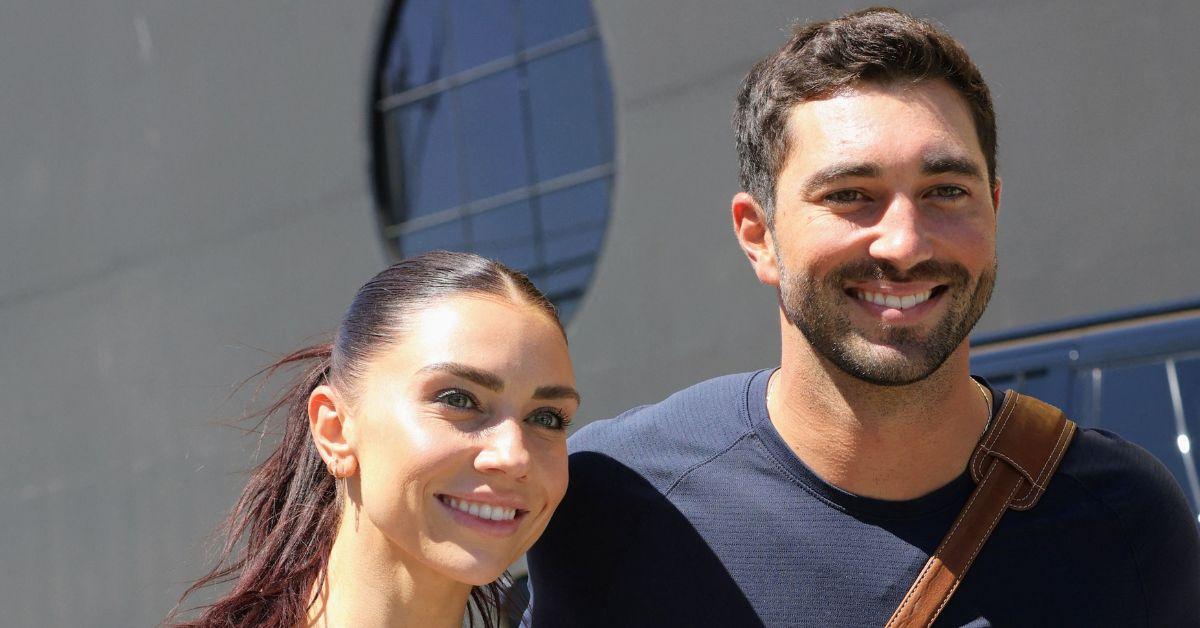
point(891, 299)
point(898, 303)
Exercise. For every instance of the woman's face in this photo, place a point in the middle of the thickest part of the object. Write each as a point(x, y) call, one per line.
point(460, 436)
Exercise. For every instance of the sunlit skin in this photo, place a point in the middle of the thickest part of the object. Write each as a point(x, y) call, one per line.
point(471, 404)
point(884, 191)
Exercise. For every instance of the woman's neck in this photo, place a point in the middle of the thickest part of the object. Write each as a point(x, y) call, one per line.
point(370, 584)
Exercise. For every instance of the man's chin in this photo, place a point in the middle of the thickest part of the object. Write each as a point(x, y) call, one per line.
point(886, 364)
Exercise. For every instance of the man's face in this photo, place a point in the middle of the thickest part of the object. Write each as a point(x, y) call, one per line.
point(884, 229)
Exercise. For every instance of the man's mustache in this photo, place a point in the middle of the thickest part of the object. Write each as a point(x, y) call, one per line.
point(929, 270)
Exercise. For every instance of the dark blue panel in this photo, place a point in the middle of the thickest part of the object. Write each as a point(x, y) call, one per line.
point(566, 307)
point(481, 32)
point(1009, 361)
point(1049, 385)
point(566, 283)
point(506, 234)
point(569, 281)
point(495, 144)
point(573, 221)
point(1135, 402)
point(424, 130)
point(448, 236)
point(1002, 382)
point(544, 20)
point(1188, 372)
point(1083, 407)
point(416, 55)
point(564, 98)
point(604, 102)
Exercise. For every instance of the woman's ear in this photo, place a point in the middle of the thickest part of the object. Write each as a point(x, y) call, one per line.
point(327, 422)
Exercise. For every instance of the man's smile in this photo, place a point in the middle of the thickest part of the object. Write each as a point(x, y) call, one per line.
point(897, 302)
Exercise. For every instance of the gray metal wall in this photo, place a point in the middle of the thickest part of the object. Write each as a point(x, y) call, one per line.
point(181, 180)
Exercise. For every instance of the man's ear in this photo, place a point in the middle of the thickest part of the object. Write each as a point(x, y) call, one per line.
point(328, 425)
point(996, 195)
point(755, 238)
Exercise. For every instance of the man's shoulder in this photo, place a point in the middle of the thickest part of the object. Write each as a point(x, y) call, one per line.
point(1126, 485)
point(1126, 503)
point(708, 404)
point(684, 429)
point(1117, 472)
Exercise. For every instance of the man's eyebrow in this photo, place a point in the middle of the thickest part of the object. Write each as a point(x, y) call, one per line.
point(483, 378)
point(950, 164)
point(556, 392)
point(832, 173)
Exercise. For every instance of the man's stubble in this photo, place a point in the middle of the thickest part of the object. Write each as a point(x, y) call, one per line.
point(817, 309)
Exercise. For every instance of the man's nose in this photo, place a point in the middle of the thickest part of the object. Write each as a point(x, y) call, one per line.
point(901, 237)
point(504, 450)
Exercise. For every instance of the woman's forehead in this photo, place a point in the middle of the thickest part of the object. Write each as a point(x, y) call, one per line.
point(489, 333)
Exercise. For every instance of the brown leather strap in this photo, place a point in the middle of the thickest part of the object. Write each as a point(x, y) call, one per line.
point(1011, 466)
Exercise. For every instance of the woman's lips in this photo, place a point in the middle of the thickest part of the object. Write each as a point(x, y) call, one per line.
point(493, 519)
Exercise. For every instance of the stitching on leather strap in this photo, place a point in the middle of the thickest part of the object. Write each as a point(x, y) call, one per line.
point(938, 552)
point(1006, 410)
point(982, 539)
point(1012, 463)
point(1060, 448)
point(1054, 455)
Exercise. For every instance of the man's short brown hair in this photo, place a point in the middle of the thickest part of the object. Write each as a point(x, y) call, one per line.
point(877, 45)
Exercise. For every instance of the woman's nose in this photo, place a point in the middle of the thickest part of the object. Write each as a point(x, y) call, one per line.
point(504, 451)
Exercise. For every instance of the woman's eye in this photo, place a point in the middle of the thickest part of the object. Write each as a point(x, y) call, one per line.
point(846, 196)
point(457, 399)
point(551, 419)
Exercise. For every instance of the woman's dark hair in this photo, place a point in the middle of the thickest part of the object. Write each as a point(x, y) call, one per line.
point(288, 514)
point(878, 45)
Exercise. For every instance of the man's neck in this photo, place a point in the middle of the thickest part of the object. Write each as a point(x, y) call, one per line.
point(885, 442)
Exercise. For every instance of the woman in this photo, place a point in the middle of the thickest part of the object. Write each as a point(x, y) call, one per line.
point(424, 450)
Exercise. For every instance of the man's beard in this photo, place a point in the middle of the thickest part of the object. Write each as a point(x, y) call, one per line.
point(819, 310)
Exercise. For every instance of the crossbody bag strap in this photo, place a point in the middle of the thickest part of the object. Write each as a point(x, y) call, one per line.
point(1011, 466)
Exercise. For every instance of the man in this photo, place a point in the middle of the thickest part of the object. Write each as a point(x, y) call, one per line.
point(812, 495)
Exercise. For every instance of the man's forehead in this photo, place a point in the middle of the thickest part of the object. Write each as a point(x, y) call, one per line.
point(927, 119)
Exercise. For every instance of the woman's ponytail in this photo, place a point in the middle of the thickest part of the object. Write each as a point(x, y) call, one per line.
point(285, 515)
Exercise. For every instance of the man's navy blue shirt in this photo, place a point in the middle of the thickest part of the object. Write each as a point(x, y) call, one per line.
point(695, 512)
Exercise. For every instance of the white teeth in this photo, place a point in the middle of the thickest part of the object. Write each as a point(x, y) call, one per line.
point(893, 301)
point(483, 511)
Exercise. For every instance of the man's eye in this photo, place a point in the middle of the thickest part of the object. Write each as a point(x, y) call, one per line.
point(456, 399)
point(948, 191)
point(552, 419)
point(846, 196)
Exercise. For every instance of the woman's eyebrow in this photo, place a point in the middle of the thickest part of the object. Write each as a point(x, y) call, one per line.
point(556, 392)
point(486, 379)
